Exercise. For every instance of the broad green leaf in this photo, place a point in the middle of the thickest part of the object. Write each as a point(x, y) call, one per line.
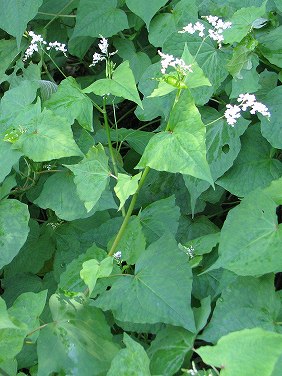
point(197, 77)
point(243, 305)
point(271, 128)
point(70, 102)
point(159, 218)
point(47, 137)
point(270, 45)
point(223, 145)
point(254, 167)
point(27, 308)
point(56, 194)
point(18, 284)
point(149, 295)
point(132, 243)
point(252, 246)
point(12, 334)
point(14, 229)
point(247, 352)
point(248, 82)
point(182, 149)
point(274, 191)
point(8, 51)
point(169, 349)
point(242, 21)
point(77, 341)
point(161, 27)
point(138, 61)
point(126, 186)
point(145, 10)
point(132, 360)
point(15, 14)
point(70, 280)
point(96, 18)
point(9, 157)
point(14, 103)
point(122, 84)
point(39, 242)
point(47, 88)
point(91, 176)
point(94, 269)
point(7, 185)
point(240, 60)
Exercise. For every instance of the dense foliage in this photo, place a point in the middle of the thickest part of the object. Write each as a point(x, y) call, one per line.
point(141, 187)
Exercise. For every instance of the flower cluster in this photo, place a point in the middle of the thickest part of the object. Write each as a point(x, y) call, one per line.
point(233, 112)
point(117, 255)
point(38, 42)
point(105, 54)
point(215, 34)
point(171, 61)
point(188, 250)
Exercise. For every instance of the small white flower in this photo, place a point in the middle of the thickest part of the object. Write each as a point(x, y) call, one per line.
point(117, 255)
point(233, 112)
point(193, 371)
point(57, 46)
point(171, 61)
point(215, 34)
point(103, 46)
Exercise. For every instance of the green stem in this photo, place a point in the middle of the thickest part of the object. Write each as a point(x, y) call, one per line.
point(129, 212)
point(47, 71)
point(108, 132)
point(58, 14)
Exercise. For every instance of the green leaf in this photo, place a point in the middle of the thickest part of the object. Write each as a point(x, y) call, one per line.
point(96, 18)
point(12, 334)
point(126, 186)
point(256, 349)
point(159, 218)
point(14, 229)
point(182, 149)
point(122, 84)
point(248, 82)
point(271, 128)
point(132, 243)
point(132, 360)
point(91, 176)
point(94, 269)
point(242, 22)
point(70, 280)
point(252, 246)
point(145, 10)
point(169, 349)
point(270, 45)
point(27, 308)
point(47, 137)
point(197, 77)
point(243, 305)
point(254, 167)
point(9, 157)
point(149, 295)
point(223, 145)
point(16, 14)
point(70, 102)
point(77, 341)
point(161, 27)
point(8, 51)
point(56, 194)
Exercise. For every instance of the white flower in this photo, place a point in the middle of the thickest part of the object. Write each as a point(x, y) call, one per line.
point(117, 255)
point(171, 61)
point(38, 42)
point(233, 112)
point(103, 46)
point(215, 34)
point(193, 371)
point(57, 46)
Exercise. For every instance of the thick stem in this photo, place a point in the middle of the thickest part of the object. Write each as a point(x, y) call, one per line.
point(129, 212)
